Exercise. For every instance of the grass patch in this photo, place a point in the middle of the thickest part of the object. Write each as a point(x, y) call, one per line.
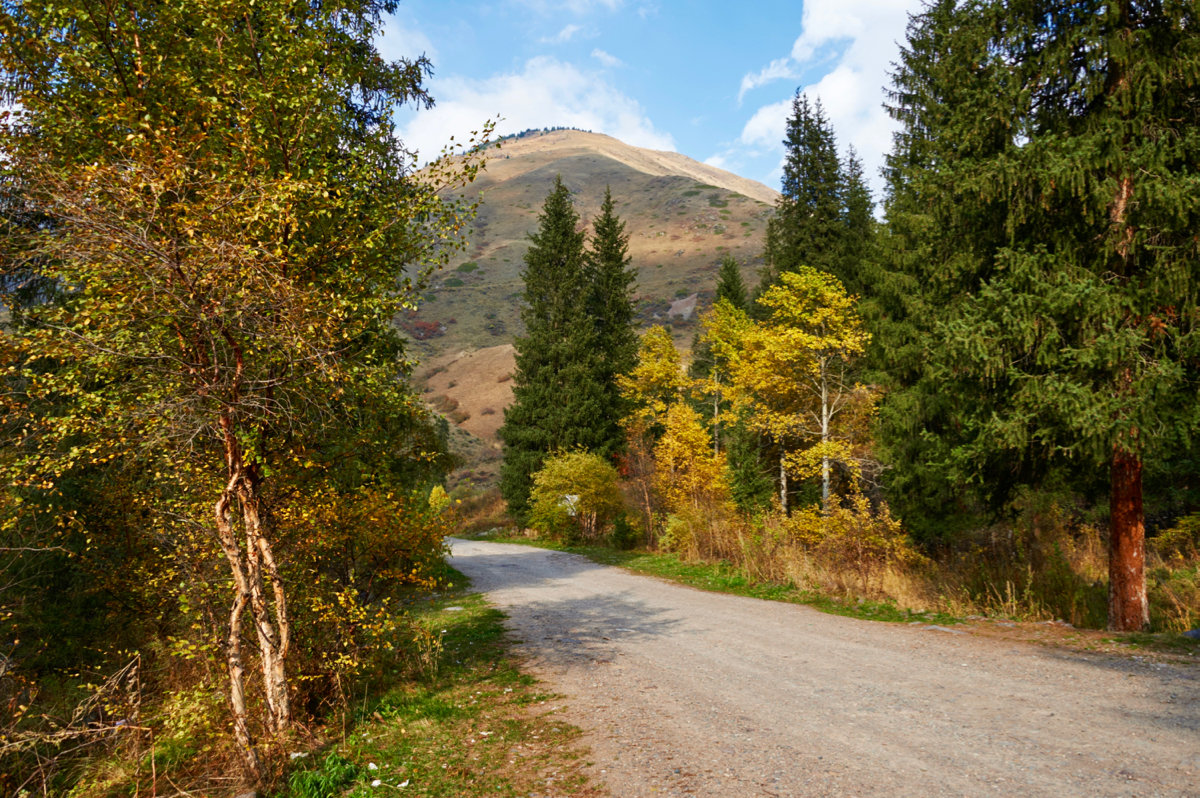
point(467, 267)
point(725, 578)
point(452, 282)
point(1159, 642)
point(480, 727)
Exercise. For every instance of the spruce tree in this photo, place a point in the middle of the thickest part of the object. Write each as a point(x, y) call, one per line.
point(610, 305)
point(807, 228)
point(858, 224)
point(560, 401)
point(917, 427)
point(1046, 177)
point(730, 285)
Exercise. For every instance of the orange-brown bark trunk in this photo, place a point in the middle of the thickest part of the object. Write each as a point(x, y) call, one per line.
point(1128, 609)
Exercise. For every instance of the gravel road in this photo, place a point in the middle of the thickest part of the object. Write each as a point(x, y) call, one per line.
point(684, 692)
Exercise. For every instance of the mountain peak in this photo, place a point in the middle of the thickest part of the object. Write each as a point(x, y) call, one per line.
point(523, 152)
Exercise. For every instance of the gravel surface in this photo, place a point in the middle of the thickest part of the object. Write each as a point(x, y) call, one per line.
point(685, 692)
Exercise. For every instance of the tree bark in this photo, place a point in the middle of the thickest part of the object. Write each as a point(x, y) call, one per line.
point(1128, 609)
point(783, 482)
point(270, 619)
point(233, 643)
point(825, 417)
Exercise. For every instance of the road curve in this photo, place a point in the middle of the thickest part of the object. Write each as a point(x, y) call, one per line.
point(685, 692)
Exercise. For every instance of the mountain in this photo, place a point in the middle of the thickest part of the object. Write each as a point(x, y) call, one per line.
point(681, 216)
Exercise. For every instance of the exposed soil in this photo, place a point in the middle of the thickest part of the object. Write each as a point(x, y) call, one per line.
point(684, 692)
point(479, 382)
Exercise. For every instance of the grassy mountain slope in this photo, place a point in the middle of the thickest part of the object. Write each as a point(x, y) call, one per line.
point(682, 217)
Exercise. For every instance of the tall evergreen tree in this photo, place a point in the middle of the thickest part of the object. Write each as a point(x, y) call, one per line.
point(610, 305)
point(1048, 164)
point(557, 402)
point(807, 228)
point(858, 225)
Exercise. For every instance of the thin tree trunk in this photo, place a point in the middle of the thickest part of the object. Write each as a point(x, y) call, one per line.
point(1128, 609)
point(717, 420)
point(273, 632)
point(783, 482)
point(824, 437)
point(233, 644)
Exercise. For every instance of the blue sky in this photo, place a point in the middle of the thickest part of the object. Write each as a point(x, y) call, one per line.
point(710, 80)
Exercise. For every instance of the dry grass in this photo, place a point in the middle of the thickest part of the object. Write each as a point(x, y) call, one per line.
point(1045, 566)
point(481, 511)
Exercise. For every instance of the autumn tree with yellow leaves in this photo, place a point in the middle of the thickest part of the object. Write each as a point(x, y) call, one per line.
point(794, 372)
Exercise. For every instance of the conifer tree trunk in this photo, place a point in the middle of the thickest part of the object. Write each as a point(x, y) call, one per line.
point(1128, 609)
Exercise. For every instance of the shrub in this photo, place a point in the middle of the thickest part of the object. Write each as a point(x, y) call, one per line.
point(575, 494)
point(624, 535)
point(1180, 542)
point(852, 536)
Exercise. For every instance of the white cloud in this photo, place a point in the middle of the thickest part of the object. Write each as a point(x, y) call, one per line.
point(564, 35)
point(766, 128)
point(398, 40)
point(777, 69)
point(545, 93)
point(856, 40)
point(607, 59)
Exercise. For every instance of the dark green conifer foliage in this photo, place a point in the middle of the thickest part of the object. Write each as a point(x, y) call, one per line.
point(807, 228)
point(917, 427)
point(732, 288)
point(730, 285)
point(858, 244)
point(610, 306)
point(1046, 174)
point(558, 404)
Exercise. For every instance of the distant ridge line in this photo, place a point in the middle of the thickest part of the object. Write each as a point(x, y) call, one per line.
point(658, 163)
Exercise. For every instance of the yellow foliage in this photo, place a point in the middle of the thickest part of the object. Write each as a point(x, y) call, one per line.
point(853, 535)
point(575, 491)
point(688, 474)
point(793, 372)
point(656, 382)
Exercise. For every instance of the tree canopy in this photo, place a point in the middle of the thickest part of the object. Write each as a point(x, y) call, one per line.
point(230, 225)
point(1043, 184)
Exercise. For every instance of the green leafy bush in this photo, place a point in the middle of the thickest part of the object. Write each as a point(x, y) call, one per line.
point(575, 494)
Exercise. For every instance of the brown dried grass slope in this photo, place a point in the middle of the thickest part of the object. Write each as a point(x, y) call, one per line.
point(682, 217)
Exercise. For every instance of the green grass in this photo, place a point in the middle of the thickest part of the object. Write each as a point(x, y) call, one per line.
point(1161, 642)
point(481, 727)
point(725, 578)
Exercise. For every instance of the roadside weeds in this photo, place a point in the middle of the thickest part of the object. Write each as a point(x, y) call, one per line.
point(478, 727)
point(724, 578)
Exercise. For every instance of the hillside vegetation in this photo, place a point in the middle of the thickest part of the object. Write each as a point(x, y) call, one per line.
point(682, 216)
